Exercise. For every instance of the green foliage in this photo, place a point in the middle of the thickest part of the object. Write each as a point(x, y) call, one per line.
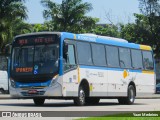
point(149, 7)
point(125, 116)
point(69, 16)
point(39, 28)
point(12, 12)
point(146, 29)
point(107, 30)
point(136, 32)
point(120, 118)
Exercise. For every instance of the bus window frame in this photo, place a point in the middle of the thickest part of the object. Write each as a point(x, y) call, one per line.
point(142, 59)
point(106, 65)
point(90, 51)
point(70, 42)
point(129, 55)
point(152, 60)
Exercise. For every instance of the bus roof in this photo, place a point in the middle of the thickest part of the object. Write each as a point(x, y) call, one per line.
point(105, 40)
point(89, 37)
point(38, 33)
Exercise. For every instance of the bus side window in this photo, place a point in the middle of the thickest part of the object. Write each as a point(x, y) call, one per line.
point(148, 60)
point(69, 57)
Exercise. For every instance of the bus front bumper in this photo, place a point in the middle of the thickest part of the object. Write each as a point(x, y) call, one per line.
point(50, 91)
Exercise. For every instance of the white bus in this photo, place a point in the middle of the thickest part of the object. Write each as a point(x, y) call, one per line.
point(3, 75)
point(82, 67)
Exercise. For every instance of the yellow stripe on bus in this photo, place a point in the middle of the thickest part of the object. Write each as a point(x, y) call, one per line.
point(148, 72)
point(78, 74)
point(145, 47)
point(74, 36)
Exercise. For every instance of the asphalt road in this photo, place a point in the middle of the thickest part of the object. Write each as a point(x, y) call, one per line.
point(67, 108)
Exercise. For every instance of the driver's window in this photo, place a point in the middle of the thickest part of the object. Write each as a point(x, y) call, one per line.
point(69, 57)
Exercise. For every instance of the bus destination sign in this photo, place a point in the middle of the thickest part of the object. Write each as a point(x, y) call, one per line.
point(30, 40)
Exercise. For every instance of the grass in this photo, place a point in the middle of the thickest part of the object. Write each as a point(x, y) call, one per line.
point(126, 116)
point(121, 118)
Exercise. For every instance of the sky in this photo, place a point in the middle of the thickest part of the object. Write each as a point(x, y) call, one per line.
point(116, 10)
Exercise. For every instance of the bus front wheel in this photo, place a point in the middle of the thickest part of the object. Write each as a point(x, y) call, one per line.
point(130, 97)
point(38, 101)
point(2, 91)
point(81, 99)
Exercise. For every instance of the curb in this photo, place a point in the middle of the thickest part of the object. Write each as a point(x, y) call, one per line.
point(148, 97)
point(5, 97)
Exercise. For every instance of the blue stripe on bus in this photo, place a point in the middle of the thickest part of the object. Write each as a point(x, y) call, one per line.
point(106, 68)
point(65, 35)
point(19, 84)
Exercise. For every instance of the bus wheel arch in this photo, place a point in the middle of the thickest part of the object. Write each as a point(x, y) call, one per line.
point(85, 84)
point(131, 93)
point(83, 93)
point(133, 84)
point(2, 91)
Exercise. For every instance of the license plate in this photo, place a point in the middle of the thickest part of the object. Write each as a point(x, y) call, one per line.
point(32, 91)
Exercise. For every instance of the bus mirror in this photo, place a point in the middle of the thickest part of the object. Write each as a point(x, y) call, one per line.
point(65, 48)
point(7, 49)
point(65, 51)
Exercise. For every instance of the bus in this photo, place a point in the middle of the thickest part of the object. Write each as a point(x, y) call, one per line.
point(4, 89)
point(82, 67)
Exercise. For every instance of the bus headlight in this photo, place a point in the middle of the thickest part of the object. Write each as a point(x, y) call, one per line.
point(54, 80)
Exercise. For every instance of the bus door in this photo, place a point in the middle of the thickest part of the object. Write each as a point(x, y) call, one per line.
point(70, 68)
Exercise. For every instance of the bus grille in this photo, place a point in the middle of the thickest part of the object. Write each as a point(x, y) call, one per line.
point(35, 87)
point(33, 94)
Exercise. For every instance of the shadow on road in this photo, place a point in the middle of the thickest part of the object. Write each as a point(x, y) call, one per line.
point(63, 104)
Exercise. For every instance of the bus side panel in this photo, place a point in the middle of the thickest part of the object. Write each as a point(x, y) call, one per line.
point(97, 79)
point(145, 84)
point(117, 85)
point(70, 83)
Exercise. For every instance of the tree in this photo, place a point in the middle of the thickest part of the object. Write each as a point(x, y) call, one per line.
point(150, 7)
point(10, 10)
point(40, 27)
point(69, 16)
point(106, 30)
point(146, 29)
point(151, 10)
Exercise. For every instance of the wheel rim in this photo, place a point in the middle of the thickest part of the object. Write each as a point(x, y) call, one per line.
point(131, 96)
point(82, 96)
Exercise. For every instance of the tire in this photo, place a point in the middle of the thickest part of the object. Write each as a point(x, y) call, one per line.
point(130, 97)
point(39, 101)
point(81, 99)
point(2, 91)
point(92, 101)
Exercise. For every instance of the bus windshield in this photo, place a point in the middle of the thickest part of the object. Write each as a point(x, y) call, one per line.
point(37, 59)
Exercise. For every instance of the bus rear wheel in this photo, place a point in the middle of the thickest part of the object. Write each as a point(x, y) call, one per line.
point(38, 101)
point(2, 91)
point(130, 97)
point(81, 99)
